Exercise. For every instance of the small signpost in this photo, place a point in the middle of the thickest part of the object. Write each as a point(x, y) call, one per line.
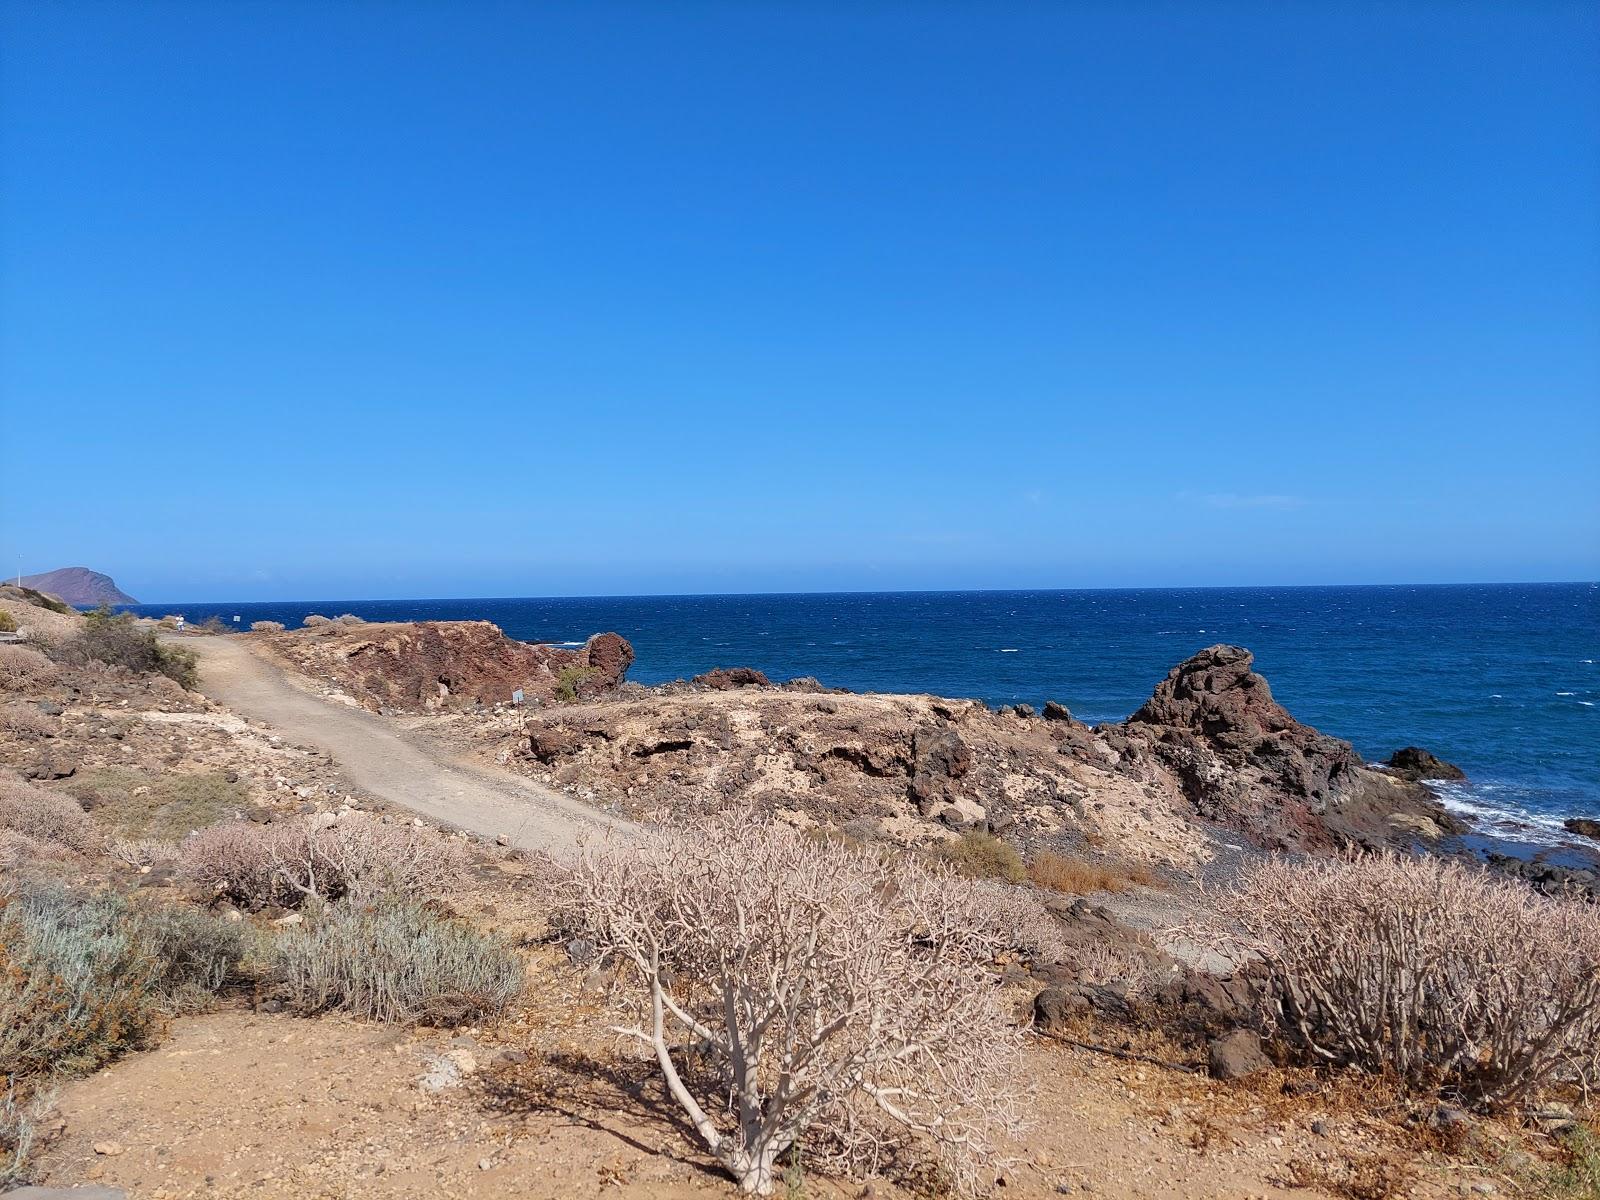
point(516, 696)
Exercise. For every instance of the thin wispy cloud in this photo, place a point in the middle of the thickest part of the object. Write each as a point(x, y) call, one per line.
point(1236, 500)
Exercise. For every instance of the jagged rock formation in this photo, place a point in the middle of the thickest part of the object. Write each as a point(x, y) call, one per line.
point(79, 587)
point(1243, 761)
point(432, 665)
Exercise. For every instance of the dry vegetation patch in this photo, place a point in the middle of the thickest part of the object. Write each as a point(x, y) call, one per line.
point(1079, 877)
point(140, 804)
point(839, 996)
point(1424, 969)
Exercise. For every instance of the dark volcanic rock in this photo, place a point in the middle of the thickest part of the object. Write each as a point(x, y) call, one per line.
point(723, 678)
point(1583, 827)
point(1415, 763)
point(938, 757)
point(1236, 1055)
point(1055, 711)
point(1244, 762)
point(608, 655)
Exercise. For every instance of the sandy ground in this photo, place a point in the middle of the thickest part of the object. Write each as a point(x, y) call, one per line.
point(243, 1104)
point(376, 756)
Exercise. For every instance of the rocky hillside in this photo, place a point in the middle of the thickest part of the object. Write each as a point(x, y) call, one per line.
point(79, 587)
point(436, 665)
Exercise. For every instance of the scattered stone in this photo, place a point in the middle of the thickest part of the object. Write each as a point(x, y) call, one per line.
point(1236, 1055)
point(447, 1071)
point(110, 1149)
point(291, 919)
point(1055, 711)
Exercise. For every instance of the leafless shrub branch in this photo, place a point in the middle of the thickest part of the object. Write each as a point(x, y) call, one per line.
point(295, 861)
point(1427, 969)
point(832, 994)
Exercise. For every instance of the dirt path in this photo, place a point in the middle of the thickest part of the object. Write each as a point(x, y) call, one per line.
point(378, 756)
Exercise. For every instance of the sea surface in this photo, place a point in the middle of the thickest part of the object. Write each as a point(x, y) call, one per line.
point(1500, 679)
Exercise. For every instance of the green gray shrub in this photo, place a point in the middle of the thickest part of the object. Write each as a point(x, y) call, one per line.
point(397, 960)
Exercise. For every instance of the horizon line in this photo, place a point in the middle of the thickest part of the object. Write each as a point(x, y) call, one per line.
point(1207, 587)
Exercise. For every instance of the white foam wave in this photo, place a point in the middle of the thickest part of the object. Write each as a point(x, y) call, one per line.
point(1476, 802)
point(1008, 650)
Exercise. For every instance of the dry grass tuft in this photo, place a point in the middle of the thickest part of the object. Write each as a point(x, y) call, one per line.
point(1078, 877)
point(295, 861)
point(981, 856)
point(26, 721)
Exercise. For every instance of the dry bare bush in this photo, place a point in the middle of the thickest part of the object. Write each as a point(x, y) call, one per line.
point(143, 852)
point(22, 668)
point(26, 721)
point(306, 859)
point(266, 626)
point(350, 619)
point(821, 992)
point(1435, 972)
point(19, 851)
point(44, 816)
point(314, 619)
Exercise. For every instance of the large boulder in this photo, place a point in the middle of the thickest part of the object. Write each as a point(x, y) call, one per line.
point(1415, 763)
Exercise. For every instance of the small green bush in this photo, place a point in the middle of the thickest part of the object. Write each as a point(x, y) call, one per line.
point(982, 856)
point(86, 977)
point(117, 640)
point(569, 680)
point(397, 960)
point(8, 623)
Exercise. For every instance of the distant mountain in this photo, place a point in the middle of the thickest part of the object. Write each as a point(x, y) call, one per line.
point(79, 587)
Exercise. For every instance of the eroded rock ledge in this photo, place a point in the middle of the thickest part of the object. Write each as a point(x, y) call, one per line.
point(434, 665)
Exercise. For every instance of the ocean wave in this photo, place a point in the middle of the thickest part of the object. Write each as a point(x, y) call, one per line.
point(1009, 650)
point(1479, 804)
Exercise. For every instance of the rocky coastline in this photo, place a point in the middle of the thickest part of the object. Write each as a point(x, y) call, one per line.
point(1210, 750)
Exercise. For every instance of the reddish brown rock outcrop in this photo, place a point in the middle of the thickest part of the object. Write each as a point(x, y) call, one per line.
point(1244, 762)
point(433, 665)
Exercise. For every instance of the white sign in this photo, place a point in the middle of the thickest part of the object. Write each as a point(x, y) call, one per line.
point(516, 696)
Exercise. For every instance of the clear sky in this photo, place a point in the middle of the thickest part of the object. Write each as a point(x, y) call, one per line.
point(388, 299)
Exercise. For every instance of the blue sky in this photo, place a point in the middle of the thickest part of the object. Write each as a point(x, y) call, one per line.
point(387, 299)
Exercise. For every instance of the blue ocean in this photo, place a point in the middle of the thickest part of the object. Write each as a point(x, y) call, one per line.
point(1500, 679)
